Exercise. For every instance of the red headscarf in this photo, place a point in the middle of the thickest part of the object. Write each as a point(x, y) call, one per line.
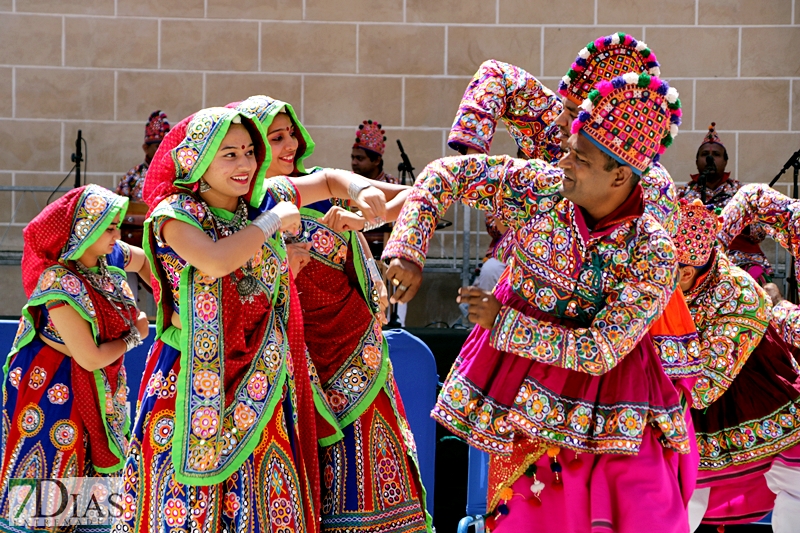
point(162, 172)
point(60, 232)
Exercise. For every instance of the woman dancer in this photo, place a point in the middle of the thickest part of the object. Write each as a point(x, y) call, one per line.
point(64, 413)
point(371, 480)
point(220, 442)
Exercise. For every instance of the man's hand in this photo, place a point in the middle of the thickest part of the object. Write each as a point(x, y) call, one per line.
point(406, 278)
point(483, 306)
point(340, 220)
point(298, 256)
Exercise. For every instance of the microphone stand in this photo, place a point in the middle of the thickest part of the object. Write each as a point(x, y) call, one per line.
point(406, 171)
point(77, 158)
point(791, 280)
point(404, 167)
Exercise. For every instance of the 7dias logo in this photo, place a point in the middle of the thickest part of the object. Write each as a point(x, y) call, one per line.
point(63, 502)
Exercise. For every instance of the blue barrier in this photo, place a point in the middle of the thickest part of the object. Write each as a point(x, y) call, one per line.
point(415, 373)
point(414, 370)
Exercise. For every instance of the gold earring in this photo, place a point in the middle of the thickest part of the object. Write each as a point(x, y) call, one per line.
point(204, 186)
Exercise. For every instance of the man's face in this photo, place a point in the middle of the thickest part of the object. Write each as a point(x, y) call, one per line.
point(569, 112)
point(687, 276)
point(150, 151)
point(714, 150)
point(361, 163)
point(586, 182)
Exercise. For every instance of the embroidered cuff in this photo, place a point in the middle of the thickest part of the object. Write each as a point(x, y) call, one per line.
point(504, 330)
point(516, 333)
point(398, 249)
point(780, 311)
point(461, 138)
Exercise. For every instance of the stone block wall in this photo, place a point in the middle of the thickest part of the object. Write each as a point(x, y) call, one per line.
point(103, 65)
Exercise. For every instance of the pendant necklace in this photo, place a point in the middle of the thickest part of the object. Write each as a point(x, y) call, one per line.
point(247, 286)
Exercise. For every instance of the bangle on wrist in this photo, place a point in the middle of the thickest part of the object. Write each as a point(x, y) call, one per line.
point(268, 222)
point(369, 226)
point(355, 187)
point(132, 340)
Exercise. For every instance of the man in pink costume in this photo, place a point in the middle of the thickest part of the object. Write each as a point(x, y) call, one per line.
point(771, 454)
point(539, 122)
point(561, 383)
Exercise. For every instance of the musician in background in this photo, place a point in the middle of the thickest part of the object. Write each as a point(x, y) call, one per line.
point(713, 186)
point(155, 130)
point(366, 159)
point(132, 225)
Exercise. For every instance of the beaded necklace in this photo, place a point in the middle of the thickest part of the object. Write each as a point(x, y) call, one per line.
point(102, 282)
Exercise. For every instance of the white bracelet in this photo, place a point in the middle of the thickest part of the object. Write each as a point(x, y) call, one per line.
point(373, 271)
point(355, 187)
point(268, 222)
point(369, 226)
point(132, 340)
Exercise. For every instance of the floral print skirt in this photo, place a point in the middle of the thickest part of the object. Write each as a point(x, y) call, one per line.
point(269, 492)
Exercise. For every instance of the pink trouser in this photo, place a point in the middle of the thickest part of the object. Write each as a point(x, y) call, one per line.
point(606, 493)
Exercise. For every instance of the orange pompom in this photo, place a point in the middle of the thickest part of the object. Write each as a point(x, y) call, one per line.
point(506, 494)
point(553, 451)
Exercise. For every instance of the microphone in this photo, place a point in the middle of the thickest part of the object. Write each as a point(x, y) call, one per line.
point(709, 170)
point(77, 158)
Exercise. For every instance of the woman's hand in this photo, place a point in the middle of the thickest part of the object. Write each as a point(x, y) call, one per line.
point(143, 325)
point(340, 220)
point(289, 215)
point(383, 301)
point(298, 256)
point(372, 203)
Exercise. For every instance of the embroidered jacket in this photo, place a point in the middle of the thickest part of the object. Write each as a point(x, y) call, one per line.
point(731, 312)
point(131, 185)
point(388, 178)
point(616, 280)
point(718, 197)
point(500, 91)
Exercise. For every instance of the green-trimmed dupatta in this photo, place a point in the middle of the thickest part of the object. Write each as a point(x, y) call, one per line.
point(266, 109)
point(203, 457)
point(63, 232)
